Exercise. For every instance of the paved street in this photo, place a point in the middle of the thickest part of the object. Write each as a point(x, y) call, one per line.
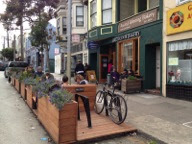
point(17, 124)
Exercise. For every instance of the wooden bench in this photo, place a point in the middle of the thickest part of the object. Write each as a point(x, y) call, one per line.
point(88, 90)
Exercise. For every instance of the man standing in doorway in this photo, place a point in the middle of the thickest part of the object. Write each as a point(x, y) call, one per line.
point(79, 69)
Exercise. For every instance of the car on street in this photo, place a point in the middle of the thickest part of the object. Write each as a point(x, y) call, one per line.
point(2, 66)
point(14, 64)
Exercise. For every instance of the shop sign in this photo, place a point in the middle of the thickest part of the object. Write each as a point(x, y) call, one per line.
point(179, 19)
point(56, 51)
point(75, 38)
point(138, 20)
point(127, 36)
point(92, 45)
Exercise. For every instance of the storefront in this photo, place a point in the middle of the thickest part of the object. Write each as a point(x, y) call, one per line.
point(178, 44)
point(139, 47)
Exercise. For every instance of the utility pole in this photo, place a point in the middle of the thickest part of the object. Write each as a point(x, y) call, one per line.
point(69, 40)
point(8, 37)
point(21, 36)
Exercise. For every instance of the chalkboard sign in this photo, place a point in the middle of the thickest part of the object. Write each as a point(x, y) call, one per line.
point(91, 76)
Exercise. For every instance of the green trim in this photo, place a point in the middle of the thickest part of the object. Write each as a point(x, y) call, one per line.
point(93, 33)
point(106, 30)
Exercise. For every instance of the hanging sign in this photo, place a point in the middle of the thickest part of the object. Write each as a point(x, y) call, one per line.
point(127, 36)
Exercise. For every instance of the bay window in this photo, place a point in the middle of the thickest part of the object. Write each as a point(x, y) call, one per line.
point(79, 16)
point(93, 13)
point(107, 11)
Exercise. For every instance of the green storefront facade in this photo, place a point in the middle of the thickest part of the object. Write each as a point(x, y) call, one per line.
point(146, 37)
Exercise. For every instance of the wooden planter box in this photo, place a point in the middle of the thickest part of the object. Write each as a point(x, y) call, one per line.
point(128, 86)
point(29, 96)
point(13, 81)
point(88, 90)
point(23, 90)
point(17, 85)
point(60, 124)
point(182, 92)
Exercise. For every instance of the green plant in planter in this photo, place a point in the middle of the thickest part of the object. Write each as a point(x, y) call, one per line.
point(25, 75)
point(60, 97)
point(131, 78)
point(13, 72)
point(42, 88)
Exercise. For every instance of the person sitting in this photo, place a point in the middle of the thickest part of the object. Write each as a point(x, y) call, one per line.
point(80, 80)
point(39, 72)
point(114, 76)
point(47, 76)
point(124, 74)
point(64, 81)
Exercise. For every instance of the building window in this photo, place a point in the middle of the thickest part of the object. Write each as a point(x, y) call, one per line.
point(93, 13)
point(58, 26)
point(182, 1)
point(153, 3)
point(107, 11)
point(142, 5)
point(179, 62)
point(64, 25)
point(79, 16)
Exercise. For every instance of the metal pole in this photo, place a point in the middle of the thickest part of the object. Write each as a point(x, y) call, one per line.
point(7, 38)
point(69, 40)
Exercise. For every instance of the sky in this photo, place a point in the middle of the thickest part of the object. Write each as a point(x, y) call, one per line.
point(16, 32)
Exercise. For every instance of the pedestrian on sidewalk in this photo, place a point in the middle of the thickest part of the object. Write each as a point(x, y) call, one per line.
point(79, 69)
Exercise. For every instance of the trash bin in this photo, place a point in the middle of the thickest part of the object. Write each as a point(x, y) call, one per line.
point(109, 80)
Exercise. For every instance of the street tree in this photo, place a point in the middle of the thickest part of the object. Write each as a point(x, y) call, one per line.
point(7, 53)
point(42, 36)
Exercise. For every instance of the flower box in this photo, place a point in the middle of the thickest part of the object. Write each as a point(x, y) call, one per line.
point(128, 86)
point(60, 124)
point(17, 85)
point(23, 90)
point(29, 96)
point(13, 81)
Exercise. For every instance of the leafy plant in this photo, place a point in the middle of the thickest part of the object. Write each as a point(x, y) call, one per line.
point(31, 81)
point(25, 75)
point(60, 97)
point(152, 142)
point(13, 72)
point(131, 78)
point(43, 87)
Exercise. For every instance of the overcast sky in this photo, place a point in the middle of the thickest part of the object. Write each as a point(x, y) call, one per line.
point(16, 32)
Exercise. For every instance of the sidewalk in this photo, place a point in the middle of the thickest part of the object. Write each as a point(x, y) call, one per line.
point(169, 120)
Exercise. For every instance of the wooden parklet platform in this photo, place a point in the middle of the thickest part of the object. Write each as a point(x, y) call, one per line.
point(102, 126)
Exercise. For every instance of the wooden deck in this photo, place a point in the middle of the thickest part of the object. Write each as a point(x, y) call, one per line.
point(102, 126)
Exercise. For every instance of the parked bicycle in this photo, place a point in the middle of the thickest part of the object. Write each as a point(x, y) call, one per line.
point(114, 104)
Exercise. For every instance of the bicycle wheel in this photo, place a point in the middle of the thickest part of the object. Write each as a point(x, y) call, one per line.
point(118, 109)
point(99, 102)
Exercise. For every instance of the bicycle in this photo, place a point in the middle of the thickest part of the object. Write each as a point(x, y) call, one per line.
point(114, 104)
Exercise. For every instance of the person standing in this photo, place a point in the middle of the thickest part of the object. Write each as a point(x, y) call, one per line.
point(79, 69)
point(110, 65)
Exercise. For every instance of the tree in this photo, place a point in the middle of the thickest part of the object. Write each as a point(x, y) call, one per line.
point(19, 11)
point(7, 53)
point(42, 36)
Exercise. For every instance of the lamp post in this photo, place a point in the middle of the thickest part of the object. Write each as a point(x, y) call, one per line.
point(69, 40)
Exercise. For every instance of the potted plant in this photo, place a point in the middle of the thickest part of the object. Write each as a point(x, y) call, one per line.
point(131, 84)
point(58, 114)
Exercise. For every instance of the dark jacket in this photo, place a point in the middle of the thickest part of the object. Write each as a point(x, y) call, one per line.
point(38, 74)
point(79, 67)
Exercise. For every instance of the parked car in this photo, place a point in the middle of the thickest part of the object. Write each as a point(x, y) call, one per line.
point(2, 66)
point(14, 64)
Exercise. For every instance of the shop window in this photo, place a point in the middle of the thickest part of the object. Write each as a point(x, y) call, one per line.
point(129, 55)
point(107, 11)
point(64, 25)
point(93, 13)
point(179, 63)
point(79, 16)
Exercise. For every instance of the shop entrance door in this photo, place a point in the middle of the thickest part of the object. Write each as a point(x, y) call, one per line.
point(158, 67)
point(103, 67)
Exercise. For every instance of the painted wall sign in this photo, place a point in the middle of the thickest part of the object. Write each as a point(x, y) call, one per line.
point(179, 19)
point(127, 36)
point(138, 20)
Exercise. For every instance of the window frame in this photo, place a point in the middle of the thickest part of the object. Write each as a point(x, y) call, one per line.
point(82, 16)
point(180, 3)
point(93, 14)
point(111, 8)
point(64, 26)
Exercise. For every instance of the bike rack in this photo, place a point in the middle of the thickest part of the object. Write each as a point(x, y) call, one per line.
point(86, 106)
